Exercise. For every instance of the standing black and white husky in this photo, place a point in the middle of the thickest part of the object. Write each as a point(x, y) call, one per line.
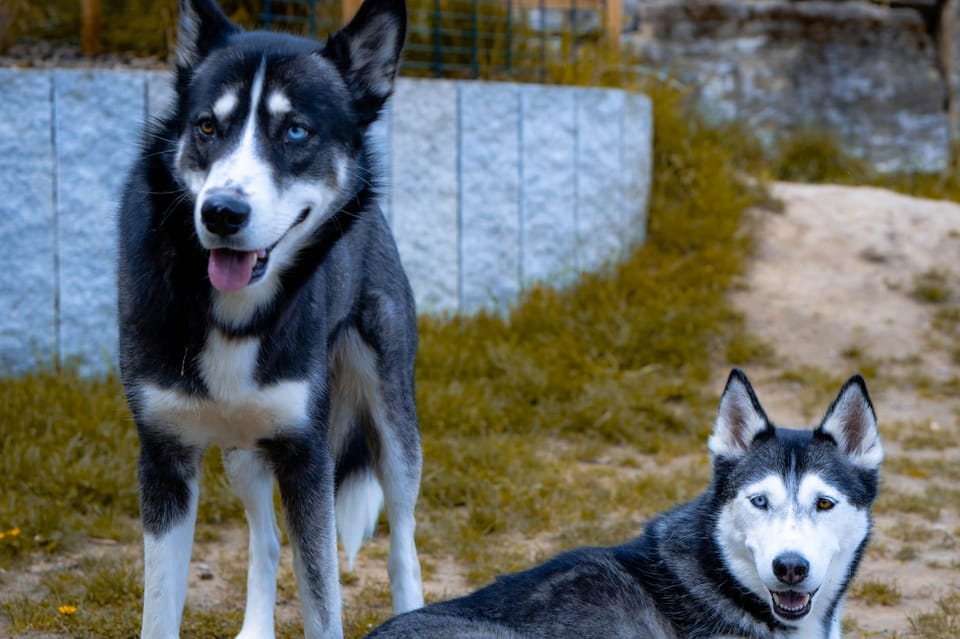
point(767, 552)
point(263, 309)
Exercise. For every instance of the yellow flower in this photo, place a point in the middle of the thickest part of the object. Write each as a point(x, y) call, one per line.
point(13, 532)
point(2, 534)
point(67, 610)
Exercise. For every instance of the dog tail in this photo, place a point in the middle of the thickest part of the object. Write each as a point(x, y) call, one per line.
point(357, 507)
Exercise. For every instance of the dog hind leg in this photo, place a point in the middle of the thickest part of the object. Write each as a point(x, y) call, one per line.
point(399, 467)
point(374, 396)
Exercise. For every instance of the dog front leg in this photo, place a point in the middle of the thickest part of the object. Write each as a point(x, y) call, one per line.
point(169, 488)
point(253, 482)
point(304, 470)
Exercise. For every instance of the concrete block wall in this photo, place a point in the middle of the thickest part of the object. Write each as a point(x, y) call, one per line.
point(489, 187)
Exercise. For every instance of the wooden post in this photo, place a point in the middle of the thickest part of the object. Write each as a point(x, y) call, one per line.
point(613, 21)
point(90, 30)
point(350, 8)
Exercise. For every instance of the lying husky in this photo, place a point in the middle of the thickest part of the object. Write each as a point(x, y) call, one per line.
point(263, 309)
point(766, 552)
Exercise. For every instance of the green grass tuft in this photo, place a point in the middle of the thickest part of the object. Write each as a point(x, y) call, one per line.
point(67, 467)
point(97, 597)
point(931, 287)
point(876, 593)
point(817, 156)
point(941, 623)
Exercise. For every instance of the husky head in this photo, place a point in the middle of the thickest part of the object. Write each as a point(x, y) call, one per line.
point(271, 129)
point(795, 504)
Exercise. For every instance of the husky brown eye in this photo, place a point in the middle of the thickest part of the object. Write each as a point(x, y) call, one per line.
point(825, 504)
point(206, 126)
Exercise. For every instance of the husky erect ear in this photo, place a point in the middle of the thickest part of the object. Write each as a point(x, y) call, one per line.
point(367, 53)
point(202, 28)
point(739, 420)
point(851, 422)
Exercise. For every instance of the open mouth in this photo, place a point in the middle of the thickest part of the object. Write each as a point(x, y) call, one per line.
point(791, 604)
point(231, 271)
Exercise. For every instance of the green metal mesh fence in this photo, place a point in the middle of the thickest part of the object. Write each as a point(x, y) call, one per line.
point(497, 39)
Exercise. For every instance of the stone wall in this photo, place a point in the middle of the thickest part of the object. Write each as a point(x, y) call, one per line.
point(489, 188)
point(872, 74)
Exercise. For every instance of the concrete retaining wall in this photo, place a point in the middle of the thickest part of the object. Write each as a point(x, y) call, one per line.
point(489, 188)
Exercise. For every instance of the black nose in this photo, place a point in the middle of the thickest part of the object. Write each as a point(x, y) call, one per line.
point(790, 568)
point(224, 214)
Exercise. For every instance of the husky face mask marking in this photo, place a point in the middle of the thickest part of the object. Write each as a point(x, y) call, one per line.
point(791, 535)
point(785, 540)
point(265, 163)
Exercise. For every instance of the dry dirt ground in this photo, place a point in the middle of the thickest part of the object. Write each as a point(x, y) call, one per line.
point(832, 288)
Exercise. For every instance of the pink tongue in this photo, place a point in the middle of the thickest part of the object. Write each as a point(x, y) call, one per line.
point(230, 270)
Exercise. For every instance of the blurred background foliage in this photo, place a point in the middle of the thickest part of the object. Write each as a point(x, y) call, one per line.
point(144, 27)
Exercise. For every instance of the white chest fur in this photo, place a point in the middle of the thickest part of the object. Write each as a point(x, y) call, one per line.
point(238, 411)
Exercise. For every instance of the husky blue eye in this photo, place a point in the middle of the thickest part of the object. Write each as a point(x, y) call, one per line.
point(297, 133)
point(759, 501)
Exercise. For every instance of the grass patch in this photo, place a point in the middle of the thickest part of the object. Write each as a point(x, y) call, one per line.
point(812, 384)
point(95, 597)
point(931, 287)
point(814, 155)
point(101, 597)
point(67, 467)
point(862, 362)
point(818, 156)
point(743, 348)
point(907, 532)
point(80, 433)
point(928, 504)
point(923, 435)
point(940, 468)
point(941, 623)
point(946, 321)
point(369, 610)
point(876, 593)
point(906, 553)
